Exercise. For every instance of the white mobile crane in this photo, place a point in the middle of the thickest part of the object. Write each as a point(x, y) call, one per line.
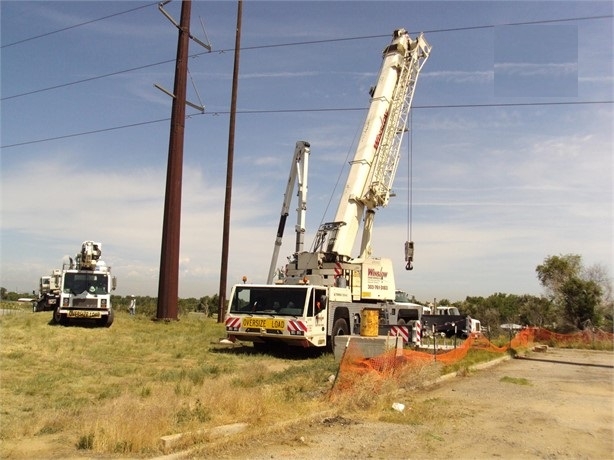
point(85, 288)
point(322, 292)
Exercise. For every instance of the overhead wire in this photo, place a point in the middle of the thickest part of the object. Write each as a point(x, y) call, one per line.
point(273, 111)
point(301, 43)
point(265, 111)
point(74, 26)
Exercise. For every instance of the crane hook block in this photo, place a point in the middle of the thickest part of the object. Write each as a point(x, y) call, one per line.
point(409, 255)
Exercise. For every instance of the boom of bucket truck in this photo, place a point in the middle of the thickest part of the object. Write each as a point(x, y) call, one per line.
point(322, 292)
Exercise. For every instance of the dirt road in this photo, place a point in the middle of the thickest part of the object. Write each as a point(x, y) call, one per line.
point(558, 404)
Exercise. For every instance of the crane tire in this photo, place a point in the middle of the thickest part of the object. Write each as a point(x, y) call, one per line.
point(340, 327)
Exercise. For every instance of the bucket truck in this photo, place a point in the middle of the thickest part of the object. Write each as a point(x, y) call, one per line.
point(48, 292)
point(321, 293)
point(85, 288)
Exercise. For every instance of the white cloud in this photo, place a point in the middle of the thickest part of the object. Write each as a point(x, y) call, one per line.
point(495, 189)
point(460, 76)
point(123, 210)
point(525, 69)
point(285, 74)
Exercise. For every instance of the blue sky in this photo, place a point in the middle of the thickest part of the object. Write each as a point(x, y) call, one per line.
point(509, 165)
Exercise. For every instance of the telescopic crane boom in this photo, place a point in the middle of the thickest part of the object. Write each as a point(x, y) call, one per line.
point(374, 166)
point(369, 183)
point(298, 174)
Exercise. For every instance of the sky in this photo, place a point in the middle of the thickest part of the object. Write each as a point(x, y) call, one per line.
point(508, 159)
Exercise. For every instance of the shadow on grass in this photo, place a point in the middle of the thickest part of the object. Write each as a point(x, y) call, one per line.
point(82, 323)
point(281, 350)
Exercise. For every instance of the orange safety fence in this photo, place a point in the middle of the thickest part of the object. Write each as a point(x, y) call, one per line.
point(395, 362)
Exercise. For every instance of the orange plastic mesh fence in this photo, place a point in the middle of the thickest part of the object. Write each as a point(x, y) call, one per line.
point(394, 362)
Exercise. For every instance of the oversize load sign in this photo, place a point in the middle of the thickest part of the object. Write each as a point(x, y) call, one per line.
point(263, 323)
point(83, 314)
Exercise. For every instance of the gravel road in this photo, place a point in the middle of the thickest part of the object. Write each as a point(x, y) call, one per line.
point(558, 404)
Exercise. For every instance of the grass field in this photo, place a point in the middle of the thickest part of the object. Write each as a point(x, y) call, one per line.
point(116, 391)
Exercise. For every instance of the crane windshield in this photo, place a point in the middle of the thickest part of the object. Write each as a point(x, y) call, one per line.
point(272, 300)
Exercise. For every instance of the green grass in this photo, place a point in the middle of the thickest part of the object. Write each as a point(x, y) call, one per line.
point(474, 356)
point(515, 380)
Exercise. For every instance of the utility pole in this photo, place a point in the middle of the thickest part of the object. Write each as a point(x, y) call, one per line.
point(168, 288)
point(229, 168)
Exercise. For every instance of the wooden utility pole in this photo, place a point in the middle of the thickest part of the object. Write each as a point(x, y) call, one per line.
point(229, 168)
point(168, 288)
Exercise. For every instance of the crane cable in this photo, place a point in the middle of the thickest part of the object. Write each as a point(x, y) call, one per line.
point(409, 244)
point(410, 151)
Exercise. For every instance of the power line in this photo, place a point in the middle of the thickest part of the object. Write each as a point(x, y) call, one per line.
point(302, 43)
point(64, 29)
point(272, 111)
point(98, 77)
point(84, 133)
point(523, 23)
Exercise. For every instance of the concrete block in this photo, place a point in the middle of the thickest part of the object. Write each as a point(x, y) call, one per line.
point(369, 347)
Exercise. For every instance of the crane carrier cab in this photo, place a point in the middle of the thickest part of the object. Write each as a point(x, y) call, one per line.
point(299, 315)
point(312, 315)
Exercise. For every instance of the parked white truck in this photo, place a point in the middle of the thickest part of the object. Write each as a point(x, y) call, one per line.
point(444, 319)
point(85, 288)
point(321, 293)
point(48, 292)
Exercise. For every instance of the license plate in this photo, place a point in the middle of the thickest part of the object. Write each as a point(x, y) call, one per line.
point(83, 314)
point(263, 323)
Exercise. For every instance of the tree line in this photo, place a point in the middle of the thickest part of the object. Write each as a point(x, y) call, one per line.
point(575, 298)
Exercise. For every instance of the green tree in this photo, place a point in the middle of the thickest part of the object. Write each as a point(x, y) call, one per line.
point(556, 271)
point(580, 299)
point(605, 310)
point(208, 305)
point(576, 297)
point(537, 311)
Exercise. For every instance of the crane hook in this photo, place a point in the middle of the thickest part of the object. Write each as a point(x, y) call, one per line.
point(409, 255)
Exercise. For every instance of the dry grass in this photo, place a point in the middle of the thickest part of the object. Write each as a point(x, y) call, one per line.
point(114, 392)
point(118, 390)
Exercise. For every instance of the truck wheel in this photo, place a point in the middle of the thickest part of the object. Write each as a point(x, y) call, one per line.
point(110, 318)
point(340, 327)
point(59, 318)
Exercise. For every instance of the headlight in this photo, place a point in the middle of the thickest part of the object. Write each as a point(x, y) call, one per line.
point(103, 303)
point(65, 302)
